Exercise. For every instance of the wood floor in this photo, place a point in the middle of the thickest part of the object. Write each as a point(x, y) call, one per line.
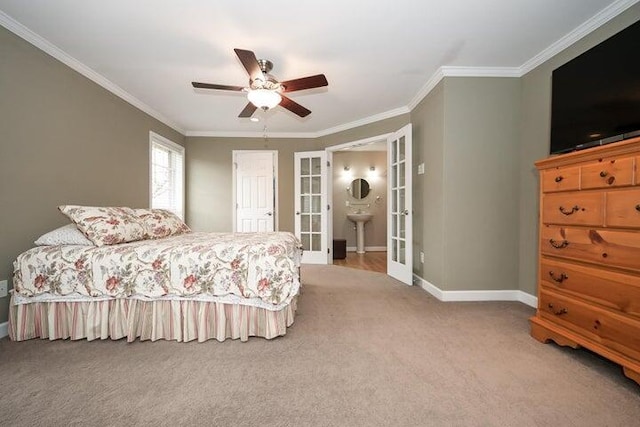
point(372, 261)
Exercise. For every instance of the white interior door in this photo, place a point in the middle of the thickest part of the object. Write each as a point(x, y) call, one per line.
point(399, 220)
point(255, 187)
point(310, 175)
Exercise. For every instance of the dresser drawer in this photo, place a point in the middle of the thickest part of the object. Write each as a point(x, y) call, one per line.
point(602, 246)
point(617, 291)
point(575, 208)
point(623, 209)
point(607, 173)
point(602, 326)
point(560, 179)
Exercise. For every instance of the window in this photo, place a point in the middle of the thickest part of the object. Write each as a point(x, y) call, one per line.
point(167, 175)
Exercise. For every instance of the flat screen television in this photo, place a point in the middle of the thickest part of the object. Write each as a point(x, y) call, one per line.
point(596, 96)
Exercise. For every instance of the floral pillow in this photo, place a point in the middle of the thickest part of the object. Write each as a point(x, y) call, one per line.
point(106, 225)
point(159, 223)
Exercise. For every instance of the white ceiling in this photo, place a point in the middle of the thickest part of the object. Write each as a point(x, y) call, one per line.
point(379, 56)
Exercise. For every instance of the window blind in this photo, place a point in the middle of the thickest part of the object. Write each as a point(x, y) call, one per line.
point(167, 176)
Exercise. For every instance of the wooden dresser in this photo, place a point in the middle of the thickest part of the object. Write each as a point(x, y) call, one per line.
point(589, 260)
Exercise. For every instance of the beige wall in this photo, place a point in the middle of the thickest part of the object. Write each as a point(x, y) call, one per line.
point(209, 188)
point(209, 179)
point(535, 128)
point(466, 133)
point(63, 139)
point(359, 163)
point(428, 198)
point(466, 203)
point(476, 207)
point(481, 183)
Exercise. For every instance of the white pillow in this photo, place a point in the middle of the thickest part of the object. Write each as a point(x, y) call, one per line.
point(65, 235)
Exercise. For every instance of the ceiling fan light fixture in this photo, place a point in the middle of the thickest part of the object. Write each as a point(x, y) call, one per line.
point(265, 90)
point(264, 98)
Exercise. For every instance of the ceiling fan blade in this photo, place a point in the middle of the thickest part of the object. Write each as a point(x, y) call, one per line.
point(294, 107)
point(310, 82)
point(250, 63)
point(248, 111)
point(199, 85)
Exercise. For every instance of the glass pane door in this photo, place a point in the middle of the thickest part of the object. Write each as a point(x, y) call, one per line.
point(309, 213)
point(399, 245)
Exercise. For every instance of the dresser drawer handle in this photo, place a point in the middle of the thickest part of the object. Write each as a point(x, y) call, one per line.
point(638, 207)
point(558, 279)
point(574, 209)
point(558, 312)
point(559, 178)
point(559, 245)
point(603, 174)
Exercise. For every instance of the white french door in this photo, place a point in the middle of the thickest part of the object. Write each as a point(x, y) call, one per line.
point(311, 205)
point(254, 191)
point(399, 220)
point(328, 184)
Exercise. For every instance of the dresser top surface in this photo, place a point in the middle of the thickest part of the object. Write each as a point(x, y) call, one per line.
point(617, 149)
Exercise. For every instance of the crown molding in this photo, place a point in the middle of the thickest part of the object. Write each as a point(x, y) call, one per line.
point(310, 135)
point(426, 89)
point(360, 142)
point(240, 134)
point(579, 32)
point(448, 71)
point(35, 39)
point(593, 23)
point(365, 121)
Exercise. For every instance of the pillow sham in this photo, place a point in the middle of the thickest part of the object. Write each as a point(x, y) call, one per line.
point(159, 223)
point(106, 225)
point(65, 235)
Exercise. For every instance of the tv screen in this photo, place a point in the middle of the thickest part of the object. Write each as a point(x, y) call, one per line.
point(596, 96)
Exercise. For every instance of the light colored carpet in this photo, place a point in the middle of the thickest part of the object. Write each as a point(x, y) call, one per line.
point(364, 350)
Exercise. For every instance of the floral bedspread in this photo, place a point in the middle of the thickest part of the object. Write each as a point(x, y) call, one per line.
point(246, 265)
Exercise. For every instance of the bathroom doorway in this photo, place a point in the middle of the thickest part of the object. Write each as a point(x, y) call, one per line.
point(370, 261)
point(358, 181)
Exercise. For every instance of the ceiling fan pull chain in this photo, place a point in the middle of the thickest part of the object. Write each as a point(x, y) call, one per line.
point(264, 133)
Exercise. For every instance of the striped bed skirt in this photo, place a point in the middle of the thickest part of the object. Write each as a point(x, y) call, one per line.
point(133, 319)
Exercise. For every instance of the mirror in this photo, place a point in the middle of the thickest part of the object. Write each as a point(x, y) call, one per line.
point(359, 188)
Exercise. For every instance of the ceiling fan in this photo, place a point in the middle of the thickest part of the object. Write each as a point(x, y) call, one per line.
point(264, 90)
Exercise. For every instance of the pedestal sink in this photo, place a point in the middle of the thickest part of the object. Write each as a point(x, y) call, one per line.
point(360, 219)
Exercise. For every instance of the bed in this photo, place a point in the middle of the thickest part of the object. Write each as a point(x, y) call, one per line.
point(179, 286)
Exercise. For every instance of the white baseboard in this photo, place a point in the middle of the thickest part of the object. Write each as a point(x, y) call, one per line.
point(502, 295)
point(4, 329)
point(429, 287)
point(368, 248)
point(528, 299)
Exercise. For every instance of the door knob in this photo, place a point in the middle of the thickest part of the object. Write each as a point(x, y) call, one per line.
point(297, 212)
point(406, 212)
point(269, 213)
